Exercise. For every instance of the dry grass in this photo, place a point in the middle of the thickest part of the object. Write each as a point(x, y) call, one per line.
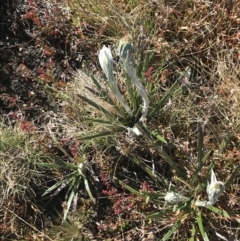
point(18, 175)
point(200, 36)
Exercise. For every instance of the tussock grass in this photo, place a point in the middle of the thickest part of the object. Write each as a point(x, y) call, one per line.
point(17, 163)
point(19, 177)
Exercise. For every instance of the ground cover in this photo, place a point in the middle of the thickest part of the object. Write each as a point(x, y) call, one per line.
point(76, 163)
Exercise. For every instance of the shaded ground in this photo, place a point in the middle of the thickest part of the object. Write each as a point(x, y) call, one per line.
point(30, 60)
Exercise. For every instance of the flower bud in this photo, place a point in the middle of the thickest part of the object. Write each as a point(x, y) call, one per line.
point(172, 198)
point(106, 61)
point(125, 48)
point(214, 189)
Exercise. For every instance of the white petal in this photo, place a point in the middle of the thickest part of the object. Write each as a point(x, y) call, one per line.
point(213, 177)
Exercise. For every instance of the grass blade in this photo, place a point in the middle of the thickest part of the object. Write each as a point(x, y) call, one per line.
point(105, 122)
point(103, 93)
point(59, 183)
point(200, 143)
point(200, 165)
point(104, 96)
point(101, 134)
point(154, 176)
point(200, 225)
point(130, 189)
point(161, 214)
point(164, 99)
point(67, 166)
point(232, 177)
point(132, 95)
point(86, 184)
point(171, 231)
point(223, 213)
point(95, 105)
point(160, 150)
point(157, 135)
point(70, 199)
point(193, 234)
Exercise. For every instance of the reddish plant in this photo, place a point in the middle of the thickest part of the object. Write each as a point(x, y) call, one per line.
point(27, 126)
point(148, 74)
point(123, 204)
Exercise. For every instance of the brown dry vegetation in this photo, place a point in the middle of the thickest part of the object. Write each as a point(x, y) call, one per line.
point(112, 186)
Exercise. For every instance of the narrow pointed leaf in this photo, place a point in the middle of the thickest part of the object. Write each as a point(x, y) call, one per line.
point(154, 195)
point(130, 189)
point(224, 213)
point(104, 96)
point(132, 95)
point(165, 98)
point(233, 175)
point(162, 214)
point(200, 165)
point(95, 105)
point(105, 122)
point(200, 225)
point(159, 137)
point(67, 166)
point(193, 233)
point(200, 143)
point(171, 231)
point(88, 190)
point(69, 202)
point(160, 150)
point(59, 183)
point(103, 92)
point(146, 168)
point(101, 134)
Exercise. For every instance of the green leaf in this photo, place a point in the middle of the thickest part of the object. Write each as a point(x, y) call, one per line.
point(161, 138)
point(193, 233)
point(105, 122)
point(224, 143)
point(200, 143)
point(59, 183)
point(146, 168)
point(200, 225)
point(200, 165)
point(130, 189)
point(223, 213)
point(70, 199)
point(88, 190)
point(159, 149)
point(67, 166)
point(161, 214)
point(132, 95)
point(155, 196)
point(155, 134)
point(164, 99)
point(95, 105)
point(171, 231)
point(98, 85)
point(233, 175)
point(144, 65)
point(104, 96)
point(101, 134)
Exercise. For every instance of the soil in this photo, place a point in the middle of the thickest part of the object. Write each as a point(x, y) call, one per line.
point(30, 61)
